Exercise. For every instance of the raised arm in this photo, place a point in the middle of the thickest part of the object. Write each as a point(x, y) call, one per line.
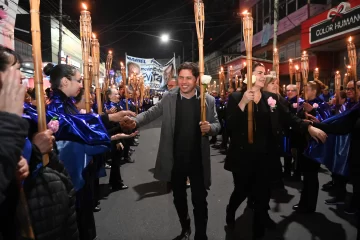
point(151, 114)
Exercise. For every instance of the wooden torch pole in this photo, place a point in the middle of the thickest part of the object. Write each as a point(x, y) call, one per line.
point(305, 70)
point(85, 35)
point(248, 38)
point(291, 70)
point(96, 69)
point(123, 75)
point(353, 63)
point(200, 23)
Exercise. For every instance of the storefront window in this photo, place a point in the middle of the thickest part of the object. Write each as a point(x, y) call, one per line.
point(291, 50)
point(282, 54)
point(254, 14)
point(301, 3)
point(298, 49)
point(291, 6)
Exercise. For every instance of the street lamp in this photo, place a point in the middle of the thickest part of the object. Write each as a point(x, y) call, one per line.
point(165, 38)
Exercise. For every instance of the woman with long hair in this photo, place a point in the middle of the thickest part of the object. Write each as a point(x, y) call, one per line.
point(249, 162)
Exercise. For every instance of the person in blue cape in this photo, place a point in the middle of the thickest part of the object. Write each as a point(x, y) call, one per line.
point(346, 157)
point(313, 106)
point(80, 137)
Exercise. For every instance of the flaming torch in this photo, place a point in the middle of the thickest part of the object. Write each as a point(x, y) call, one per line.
point(200, 23)
point(337, 86)
point(291, 70)
point(123, 75)
point(316, 73)
point(352, 57)
point(85, 35)
point(305, 70)
point(298, 84)
point(96, 65)
point(276, 63)
point(248, 38)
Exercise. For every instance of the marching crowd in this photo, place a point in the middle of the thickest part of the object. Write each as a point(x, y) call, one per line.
point(80, 145)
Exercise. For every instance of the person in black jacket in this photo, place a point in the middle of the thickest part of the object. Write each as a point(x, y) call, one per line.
point(250, 162)
point(13, 131)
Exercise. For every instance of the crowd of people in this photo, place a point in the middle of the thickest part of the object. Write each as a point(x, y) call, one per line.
point(79, 145)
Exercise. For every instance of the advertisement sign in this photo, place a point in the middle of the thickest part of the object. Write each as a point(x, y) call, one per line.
point(340, 20)
point(155, 75)
point(331, 24)
point(8, 11)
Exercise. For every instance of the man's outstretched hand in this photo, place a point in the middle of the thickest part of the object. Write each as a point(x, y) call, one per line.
point(118, 117)
point(127, 124)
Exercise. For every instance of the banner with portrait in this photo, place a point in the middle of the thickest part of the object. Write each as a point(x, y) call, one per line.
point(155, 74)
point(8, 11)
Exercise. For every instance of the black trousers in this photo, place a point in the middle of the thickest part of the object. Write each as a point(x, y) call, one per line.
point(198, 197)
point(309, 194)
point(287, 166)
point(85, 206)
point(340, 186)
point(115, 174)
point(254, 180)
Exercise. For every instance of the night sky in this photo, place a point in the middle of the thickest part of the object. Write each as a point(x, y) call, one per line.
point(123, 26)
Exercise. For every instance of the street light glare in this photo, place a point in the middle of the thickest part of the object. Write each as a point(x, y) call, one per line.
point(165, 38)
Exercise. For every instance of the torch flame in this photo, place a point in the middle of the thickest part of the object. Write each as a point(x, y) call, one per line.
point(84, 6)
point(348, 66)
point(245, 12)
point(337, 72)
point(304, 52)
point(230, 66)
point(275, 49)
point(93, 35)
point(110, 52)
point(244, 64)
point(350, 38)
point(121, 64)
point(316, 69)
point(290, 60)
point(297, 67)
point(222, 69)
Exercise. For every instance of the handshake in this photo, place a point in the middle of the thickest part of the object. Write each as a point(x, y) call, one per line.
point(125, 119)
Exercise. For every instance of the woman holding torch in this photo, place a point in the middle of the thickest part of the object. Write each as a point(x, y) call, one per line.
point(251, 171)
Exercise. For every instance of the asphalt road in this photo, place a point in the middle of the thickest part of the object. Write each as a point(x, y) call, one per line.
point(145, 211)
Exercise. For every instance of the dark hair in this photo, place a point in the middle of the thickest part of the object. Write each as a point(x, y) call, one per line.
point(108, 93)
point(31, 92)
point(342, 94)
point(255, 64)
point(58, 72)
point(316, 85)
point(79, 96)
point(190, 66)
point(5, 54)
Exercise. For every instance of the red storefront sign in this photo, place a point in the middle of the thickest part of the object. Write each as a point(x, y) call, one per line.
point(331, 24)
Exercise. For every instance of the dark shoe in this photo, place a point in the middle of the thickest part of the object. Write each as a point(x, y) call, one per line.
point(301, 209)
point(131, 150)
point(217, 146)
point(328, 186)
point(117, 187)
point(270, 224)
point(184, 235)
point(97, 203)
point(334, 201)
point(107, 166)
point(97, 209)
point(129, 160)
point(350, 210)
point(230, 219)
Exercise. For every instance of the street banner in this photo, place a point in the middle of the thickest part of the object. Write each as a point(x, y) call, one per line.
point(155, 74)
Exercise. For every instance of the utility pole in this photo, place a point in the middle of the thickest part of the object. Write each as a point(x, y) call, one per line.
point(276, 22)
point(60, 31)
